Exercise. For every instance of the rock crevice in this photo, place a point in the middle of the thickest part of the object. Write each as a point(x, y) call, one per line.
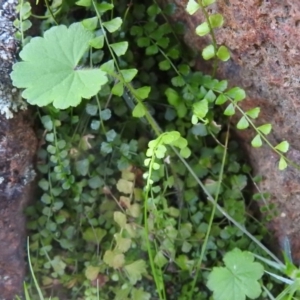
point(263, 37)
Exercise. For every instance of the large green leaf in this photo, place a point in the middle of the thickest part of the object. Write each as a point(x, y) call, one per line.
point(49, 71)
point(238, 279)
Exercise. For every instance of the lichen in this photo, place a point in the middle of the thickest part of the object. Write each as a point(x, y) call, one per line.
point(10, 98)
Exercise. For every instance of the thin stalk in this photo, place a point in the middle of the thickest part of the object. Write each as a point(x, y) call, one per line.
point(160, 287)
point(222, 211)
point(50, 11)
point(212, 215)
point(296, 166)
point(32, 273)
point(219, 208)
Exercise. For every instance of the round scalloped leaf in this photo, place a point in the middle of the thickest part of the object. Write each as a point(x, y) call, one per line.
point(203, 29)
point(237, 94)
point(221, 99)
point(265, 129)
point(120, 48)
point(192, 7)
point(282, 164)
point(208, 52)
point(142, 93)
point(120, 218)
point(49, 73)
point(253, 113)
point(135, 270)
point(90, 23)
point(170, 137)
point(230, 110)
point(223, 53)
point(200, 108)
point(238, 279)
point(243, 123)
point(103, 7)
point(216, 20)
point(139, 111)
point(256, 142)
point(113, 25)
point(185, 152)
point(283, 146)
point(91, 272)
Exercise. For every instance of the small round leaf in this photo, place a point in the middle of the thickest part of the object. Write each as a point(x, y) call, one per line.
point(283, 146)
point(208, 52)
point(223, 53)
point(203, 29)
point(243, 123)
point(216, 20)
point(282, 164)
point(253, 113)
point(230, 110)
point(265, 129)
point(192, 7)
point(256, 142)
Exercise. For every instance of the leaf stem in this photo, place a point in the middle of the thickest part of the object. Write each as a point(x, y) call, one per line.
point(212, 215)
point(212, 33)
point(221, 210)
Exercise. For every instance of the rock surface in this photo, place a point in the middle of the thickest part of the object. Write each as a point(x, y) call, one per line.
point(263, 37)
point(18, 146)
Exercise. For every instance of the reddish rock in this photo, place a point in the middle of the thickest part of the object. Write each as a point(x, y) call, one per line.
point(18, 146)
point(263, 37)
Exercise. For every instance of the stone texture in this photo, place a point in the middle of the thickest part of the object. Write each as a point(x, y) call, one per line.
point(18, 146)
point(10, 99)
point(263, 37)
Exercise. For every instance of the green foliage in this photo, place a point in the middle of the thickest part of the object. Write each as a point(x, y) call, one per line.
point(50, 71)
point(235, 94)
point(223, 53)
point(23, 23)
point(238, 279)
point(141, 189)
